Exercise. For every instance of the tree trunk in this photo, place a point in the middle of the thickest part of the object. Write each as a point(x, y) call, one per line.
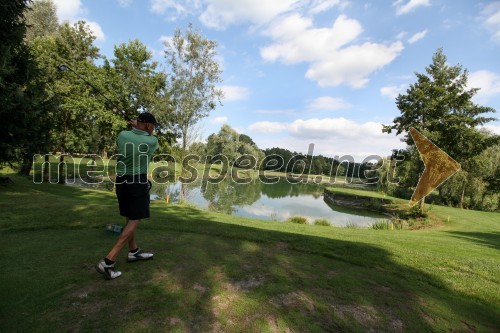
point(46, 169)
point(61, 177)
point(182, 194)
point(462, 198)
point(25, 167)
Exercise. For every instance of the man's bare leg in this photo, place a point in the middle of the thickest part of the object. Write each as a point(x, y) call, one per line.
point(127, 236)
point(132, 244)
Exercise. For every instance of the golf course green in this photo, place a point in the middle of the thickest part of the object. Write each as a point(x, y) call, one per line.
point(219, 273)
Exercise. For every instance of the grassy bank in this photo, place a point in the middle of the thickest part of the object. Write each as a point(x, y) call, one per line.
point(402, 215)
point(214, 272)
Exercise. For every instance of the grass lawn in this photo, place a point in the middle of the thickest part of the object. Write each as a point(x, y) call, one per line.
point(220, 273)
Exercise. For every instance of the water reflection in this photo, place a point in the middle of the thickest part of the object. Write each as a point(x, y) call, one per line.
point(227, 195)
point(256, 199)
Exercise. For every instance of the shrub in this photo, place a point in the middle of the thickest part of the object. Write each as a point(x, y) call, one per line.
point(415, 213)
point(323, 222)
point(374, 204)
point(381, 225)
point(297, 219)
point(399, 224)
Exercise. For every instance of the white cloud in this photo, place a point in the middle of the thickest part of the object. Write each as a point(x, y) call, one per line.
point(319, 6)
point(490, 16)
point(392, 91)
point(332, 60)
point(219, 14)
point(72, 11)
point(235, 93)
point(493, 128)
point(353, 65)
point(316, 128)
point(333, 127)
point(181, 8)
point(297, 40)
point(409, 6)
point(283, 111)
point(69, 10)
point(418, 36)
point(487, 81)
point(267, 127)
point(96, 29)
point(327, 103)
point(401, 35)
point(331, 136)
point(125, 3)
point(165, 40)
point(218, 120)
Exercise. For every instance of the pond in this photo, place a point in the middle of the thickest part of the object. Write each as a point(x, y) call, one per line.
point(259, 200)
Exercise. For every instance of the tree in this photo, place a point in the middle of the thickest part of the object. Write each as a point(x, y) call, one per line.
point(273, 162)
point(192, 78)
point(135, 83)
point(140, 81)
point(482, 191)
point(491, 171)
point(199, 149)
point(41, 20)
point(37, 113)
point(21, 117)
point(227, 142)
point(440, 106)
point(226, 195)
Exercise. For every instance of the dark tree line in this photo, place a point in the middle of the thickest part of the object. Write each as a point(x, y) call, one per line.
point(284, 160)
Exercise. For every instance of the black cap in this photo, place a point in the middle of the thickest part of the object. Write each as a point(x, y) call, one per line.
point(146, 117)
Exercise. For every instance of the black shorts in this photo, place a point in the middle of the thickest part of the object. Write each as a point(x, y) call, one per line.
point(133, 196)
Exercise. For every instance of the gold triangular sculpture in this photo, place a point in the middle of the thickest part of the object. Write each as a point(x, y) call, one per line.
point(439, 166)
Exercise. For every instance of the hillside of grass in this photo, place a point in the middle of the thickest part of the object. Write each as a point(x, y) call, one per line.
point(221, 273)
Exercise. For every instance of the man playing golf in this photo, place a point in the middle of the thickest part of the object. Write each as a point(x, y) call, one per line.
point(135, 148)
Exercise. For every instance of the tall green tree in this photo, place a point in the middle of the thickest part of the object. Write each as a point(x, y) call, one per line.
point(491, 174)
point(193, 74)
point(23, 124)
point(235, 147)
point(41, 19)
point(77, 101)
point(138, 85)
point(140, 81)
point(225, 142)
point(440, 106)
point(131, 83)
point(38, 111)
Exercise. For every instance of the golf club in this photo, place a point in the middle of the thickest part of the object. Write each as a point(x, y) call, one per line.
point(64, 67)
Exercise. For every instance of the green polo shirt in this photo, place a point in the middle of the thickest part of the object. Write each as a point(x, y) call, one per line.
point(135, 149)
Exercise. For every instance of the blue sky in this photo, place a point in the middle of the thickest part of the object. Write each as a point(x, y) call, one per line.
point(313, 71)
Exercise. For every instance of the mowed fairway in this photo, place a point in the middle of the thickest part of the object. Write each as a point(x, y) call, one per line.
point(220, 273)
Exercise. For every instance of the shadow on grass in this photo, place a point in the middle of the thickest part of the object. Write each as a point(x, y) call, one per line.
point(213, 276)
point(489, 239)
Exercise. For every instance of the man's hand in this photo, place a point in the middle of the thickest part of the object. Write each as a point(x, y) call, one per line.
point(133, 122)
